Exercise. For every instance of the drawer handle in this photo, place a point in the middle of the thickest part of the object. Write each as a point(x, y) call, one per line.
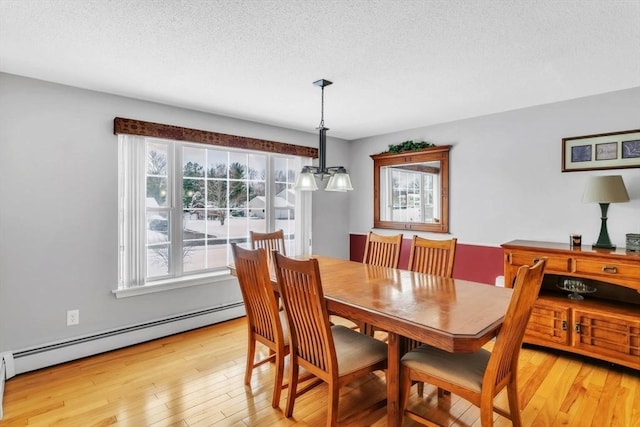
point(610, 269)
point(577, 328)
point(535, 260)
point(564, 325)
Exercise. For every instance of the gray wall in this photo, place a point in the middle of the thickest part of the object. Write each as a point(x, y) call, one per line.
point(58, 205)
point(58, 185)
point(505, 172)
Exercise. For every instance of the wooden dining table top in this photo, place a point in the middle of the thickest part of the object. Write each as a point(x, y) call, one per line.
point(452, 314)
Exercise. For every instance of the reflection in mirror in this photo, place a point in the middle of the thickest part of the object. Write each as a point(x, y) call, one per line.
point(411, 190)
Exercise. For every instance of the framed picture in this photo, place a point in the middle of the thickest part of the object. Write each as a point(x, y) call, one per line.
point(616, 150)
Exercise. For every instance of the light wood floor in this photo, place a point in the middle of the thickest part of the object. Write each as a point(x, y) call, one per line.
point(195, 379)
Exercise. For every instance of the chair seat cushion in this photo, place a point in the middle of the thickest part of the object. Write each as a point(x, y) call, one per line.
point(355, 350)
point(464, 369)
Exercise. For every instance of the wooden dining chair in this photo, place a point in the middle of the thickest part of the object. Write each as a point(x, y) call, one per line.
point(335, 354)
point(432, 256)
point(266, 323)
point(382, 250)
point(270, 242)
point(478, 377)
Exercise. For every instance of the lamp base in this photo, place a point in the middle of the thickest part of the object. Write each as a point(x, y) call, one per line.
point(603, 239)
point(602, 246)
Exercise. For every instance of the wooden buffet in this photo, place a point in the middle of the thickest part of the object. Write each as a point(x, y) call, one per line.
point(606, 324)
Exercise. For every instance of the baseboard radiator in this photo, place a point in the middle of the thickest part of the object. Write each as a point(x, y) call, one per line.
point(64, 351)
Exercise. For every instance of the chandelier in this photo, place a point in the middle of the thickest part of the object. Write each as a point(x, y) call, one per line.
point(338, 177)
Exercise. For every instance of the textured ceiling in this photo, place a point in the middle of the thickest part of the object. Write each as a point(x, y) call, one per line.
point(395, 64)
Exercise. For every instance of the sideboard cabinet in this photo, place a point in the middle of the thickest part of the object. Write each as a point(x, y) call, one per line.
point(606, 323)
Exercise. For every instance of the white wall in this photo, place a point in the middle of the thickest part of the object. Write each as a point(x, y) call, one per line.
point(58, 211)
point(505, 172)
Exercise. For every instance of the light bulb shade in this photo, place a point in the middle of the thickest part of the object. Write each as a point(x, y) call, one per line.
point(339, 181)
point(605, 189)
point(306, 182)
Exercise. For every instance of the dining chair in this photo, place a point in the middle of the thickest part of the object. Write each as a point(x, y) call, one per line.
point(335, 354)
point(478, 377)
point(382, 250)
point(266, 323)
point(432, 256)
point(269, 242)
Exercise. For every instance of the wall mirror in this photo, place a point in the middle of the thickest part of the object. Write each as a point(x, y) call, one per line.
point(411, 190)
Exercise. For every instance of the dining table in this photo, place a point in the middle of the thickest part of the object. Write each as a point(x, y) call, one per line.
point(452, 314)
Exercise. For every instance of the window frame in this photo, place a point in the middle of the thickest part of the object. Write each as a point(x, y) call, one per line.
point(176, 277)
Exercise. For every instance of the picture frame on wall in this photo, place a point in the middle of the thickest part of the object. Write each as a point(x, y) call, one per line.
point(616, 150)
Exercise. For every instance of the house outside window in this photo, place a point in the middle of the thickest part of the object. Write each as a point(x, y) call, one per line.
point(412, 196)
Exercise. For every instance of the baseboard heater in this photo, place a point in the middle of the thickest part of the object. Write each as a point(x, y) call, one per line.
point(64, 351)
point(51, 354)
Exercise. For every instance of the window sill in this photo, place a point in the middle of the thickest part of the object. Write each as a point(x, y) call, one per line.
point(171, 284)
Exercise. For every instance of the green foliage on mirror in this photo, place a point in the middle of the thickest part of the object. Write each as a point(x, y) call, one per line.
point(409, 146)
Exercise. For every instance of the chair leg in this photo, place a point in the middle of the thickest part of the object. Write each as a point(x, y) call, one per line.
point(486, 412)
point(421, 389)
point(251, 354)
point(277, 386)
point(293, 386)
point(442, 392)
point(514, 405)
point(334, 395)
point(405, 388)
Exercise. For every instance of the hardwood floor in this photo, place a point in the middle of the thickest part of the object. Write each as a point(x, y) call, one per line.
point(196, 379)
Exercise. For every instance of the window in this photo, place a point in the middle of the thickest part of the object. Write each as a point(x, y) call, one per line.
point(182, 204)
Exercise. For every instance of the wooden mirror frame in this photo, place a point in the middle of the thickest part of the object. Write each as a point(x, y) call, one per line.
point(441, 154)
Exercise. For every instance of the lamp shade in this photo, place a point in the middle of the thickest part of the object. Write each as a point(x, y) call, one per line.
point(605, 189)
point(306, 182)
point(339, 181)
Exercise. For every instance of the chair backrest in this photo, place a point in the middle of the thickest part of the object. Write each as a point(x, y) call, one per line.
point(258, 293)
point(504, 358)
point(310, 331)
point(432, 256)
point(382, 250)
point(269, 242)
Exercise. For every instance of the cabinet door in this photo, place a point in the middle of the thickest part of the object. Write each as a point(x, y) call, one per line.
point(548, 323)
point(602, 333)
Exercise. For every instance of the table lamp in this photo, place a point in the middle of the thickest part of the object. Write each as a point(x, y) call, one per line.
point(605, 190)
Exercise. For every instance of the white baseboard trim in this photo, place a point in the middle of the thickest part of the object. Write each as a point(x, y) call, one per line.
point(2, 378)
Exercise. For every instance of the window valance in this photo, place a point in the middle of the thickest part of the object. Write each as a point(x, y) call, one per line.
point(157, 130)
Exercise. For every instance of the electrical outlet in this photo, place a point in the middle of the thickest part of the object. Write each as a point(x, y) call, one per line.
point(73, 317)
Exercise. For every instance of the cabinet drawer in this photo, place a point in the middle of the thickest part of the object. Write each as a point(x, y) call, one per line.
point(555, 263)
point(548, 323)
point(606, 334)
point(609, 270)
